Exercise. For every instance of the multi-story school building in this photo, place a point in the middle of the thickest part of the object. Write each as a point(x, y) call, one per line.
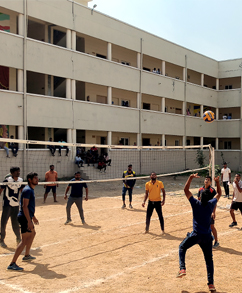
point(68, 71)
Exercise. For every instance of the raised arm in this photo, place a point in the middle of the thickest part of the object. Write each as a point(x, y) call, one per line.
point(219, 192)
point(187, 185)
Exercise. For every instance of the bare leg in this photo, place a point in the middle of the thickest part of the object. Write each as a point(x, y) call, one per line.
point(25, 238)
point(232, 215)
point(214, 231)
point(54, 195)
point(45, 196)
point(29, 242)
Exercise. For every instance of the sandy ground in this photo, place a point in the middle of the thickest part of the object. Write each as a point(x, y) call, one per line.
point(112, 254)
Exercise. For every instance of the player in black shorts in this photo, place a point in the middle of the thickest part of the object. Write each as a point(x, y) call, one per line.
point(207, 188)
point(237, 198)
point(26, 220)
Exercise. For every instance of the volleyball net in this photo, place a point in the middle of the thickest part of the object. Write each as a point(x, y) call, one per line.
point(101, 163)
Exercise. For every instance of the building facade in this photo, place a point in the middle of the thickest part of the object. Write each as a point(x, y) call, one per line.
point(69, 72)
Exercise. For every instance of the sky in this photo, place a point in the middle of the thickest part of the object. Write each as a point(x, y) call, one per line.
point(210, 27)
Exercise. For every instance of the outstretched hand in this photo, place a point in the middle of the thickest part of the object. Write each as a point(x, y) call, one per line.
point(195, 175)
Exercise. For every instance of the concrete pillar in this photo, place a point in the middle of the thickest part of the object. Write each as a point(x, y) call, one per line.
point(163, 68)
point(21, 24)
point(109, 138)
point(201, 110)
point(138, 60)
point(217, 84)
point(109, 95)
point(68, 39)
point(74, 135)
point(20, 135)
point(201, 140)
point(109, 51)
point(73, 40)
point(68, 88)
point(163, 104)
point(69, 135)
point(163, 139)
point(138, 101)
point(216, 143)
point(139, 143)
point(217, 114)
point(20, 77)
point(184, 73)
point(202, 79)
point(184, 140)
point(73, 89)
point(184, 110)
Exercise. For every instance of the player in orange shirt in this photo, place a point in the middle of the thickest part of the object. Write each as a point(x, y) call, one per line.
point(152, 190)
point(51, 176)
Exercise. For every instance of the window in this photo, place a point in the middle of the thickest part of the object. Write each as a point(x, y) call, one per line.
point(124, 141)
point(146, 69)
point(228, 87)
point(125, 62)
point(125, 103)
point(176, 142)
point(146, 106)
point(227, 145)
point(188, 142)
point(101, 56)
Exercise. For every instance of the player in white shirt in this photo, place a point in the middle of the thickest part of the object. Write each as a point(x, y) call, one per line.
point(237, 198)
point(226, 178)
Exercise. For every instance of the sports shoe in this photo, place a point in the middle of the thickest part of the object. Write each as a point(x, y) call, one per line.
point(146, 231)
point(68, 222)
point(181, 273)
point(14, 267)
point(124, 206)
point(83, 222)
point(233, 224)
point(216, 244)
point(211, 287)
point(2, 244)
point(130, 206)
point(28, 257)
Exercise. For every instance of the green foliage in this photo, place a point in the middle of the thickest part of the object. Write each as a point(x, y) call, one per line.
point(200, 158)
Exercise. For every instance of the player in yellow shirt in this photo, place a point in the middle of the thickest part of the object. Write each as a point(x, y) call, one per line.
point(153, 189)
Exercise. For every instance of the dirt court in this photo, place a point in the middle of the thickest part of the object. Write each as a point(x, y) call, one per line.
point(112, 254)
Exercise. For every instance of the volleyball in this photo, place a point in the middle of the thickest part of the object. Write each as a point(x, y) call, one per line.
point(208, 116)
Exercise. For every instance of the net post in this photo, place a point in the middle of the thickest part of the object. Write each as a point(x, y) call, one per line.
point(212, 165)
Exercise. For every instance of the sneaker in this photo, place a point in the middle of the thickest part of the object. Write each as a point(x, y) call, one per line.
point(233, 224)
point(14, 267)
point(211, 287)
point(2, 244)
point(83, 222)
point(216, 244)
point(28, 257)
point(124, 206)
point(146, 231)
point(68, 222)
point(130, 206)
point(181, 273)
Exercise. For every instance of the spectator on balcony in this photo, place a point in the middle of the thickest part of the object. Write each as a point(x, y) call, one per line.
point(52, 148)
point(79, 161)
point(14, 147)
point(107, 160)
point(188, 112)
point(89, 158)
point(158, 71)
point(88, 98)
point(94, 152)
point(63, 147)
point(154, 70)
point(3, 146)
point(225, 117)
point(230, 116)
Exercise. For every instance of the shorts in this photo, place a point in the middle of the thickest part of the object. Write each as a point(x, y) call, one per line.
point(23, 224)
point(236, 205)
point(49, 188)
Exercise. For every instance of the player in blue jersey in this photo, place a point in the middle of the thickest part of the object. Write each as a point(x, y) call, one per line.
point(26, 220)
